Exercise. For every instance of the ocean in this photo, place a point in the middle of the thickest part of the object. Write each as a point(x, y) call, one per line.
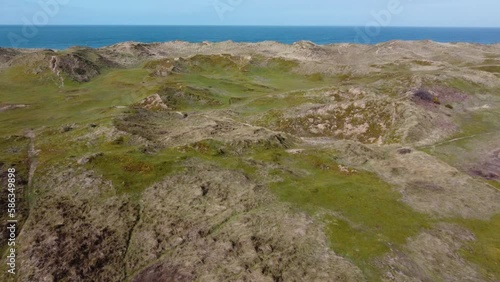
point(62, 37)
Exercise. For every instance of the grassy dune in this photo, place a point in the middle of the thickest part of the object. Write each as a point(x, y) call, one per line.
point(362, 215)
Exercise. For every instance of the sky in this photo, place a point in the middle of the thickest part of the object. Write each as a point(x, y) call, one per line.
point(446, 13)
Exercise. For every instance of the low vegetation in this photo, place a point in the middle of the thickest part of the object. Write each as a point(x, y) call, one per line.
point(259, 147)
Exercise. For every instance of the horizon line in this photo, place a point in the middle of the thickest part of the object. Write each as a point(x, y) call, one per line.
point(213, 25)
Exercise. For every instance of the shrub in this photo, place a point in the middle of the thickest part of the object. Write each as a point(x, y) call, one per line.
point(424, 95)
point(119, 141)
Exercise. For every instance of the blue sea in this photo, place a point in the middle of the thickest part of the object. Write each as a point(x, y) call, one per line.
point(61, 37)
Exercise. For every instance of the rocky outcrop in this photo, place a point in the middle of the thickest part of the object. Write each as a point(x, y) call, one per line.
point(8, 107)
point(74, 66)
point(6, 55)
point(153, 102)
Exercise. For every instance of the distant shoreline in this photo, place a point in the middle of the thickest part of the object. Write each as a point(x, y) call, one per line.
point(268, 42)
point(285, 26)
point(62, 37)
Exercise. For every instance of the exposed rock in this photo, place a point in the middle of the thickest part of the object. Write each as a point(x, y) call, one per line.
point(404, 151)
point(424, 95)
point(6, 55)
point(89, 158)
point(8, 107)
point(153, 102)
point(67, 128)
point(76, 67)
point(305, 44)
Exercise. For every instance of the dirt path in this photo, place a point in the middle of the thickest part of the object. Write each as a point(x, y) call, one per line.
point(456, 139)
point(32, 155)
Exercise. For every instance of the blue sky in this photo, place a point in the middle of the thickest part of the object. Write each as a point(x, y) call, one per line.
point(474, 13)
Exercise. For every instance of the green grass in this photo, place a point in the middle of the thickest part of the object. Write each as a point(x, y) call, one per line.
point(476, 124)
point(218, 82)
point(492, 68)
point(132, 171)
point(476, 127)
point(180, 96)
point(422, 63)
point(315, 77)
point(50, 105)
point(223, 81)
point(495, 183)
point(276, 102)
point(466, 86)
point(126, 165)
point(485, 251)
point(378, 121)
point(214, 85)
point(367, 215)
point(14, 154)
